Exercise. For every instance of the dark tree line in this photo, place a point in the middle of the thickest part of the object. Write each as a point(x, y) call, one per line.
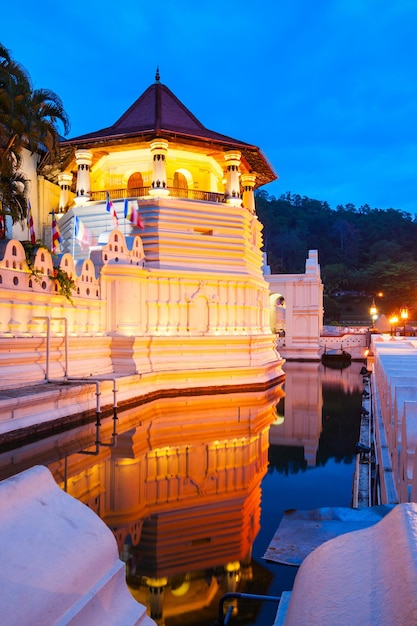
point(360, 249)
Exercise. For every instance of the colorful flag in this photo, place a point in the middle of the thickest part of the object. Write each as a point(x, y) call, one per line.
point(81, 232)
point(56, 235)
point(30, 224)
point(110, 208)
point(131, 213)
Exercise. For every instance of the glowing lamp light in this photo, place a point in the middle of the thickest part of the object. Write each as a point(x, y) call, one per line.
point(374, 313)
point(404, 317)
point(393, 320)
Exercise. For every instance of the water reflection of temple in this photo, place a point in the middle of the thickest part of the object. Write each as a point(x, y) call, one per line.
point(299, 416)
point(181, 492)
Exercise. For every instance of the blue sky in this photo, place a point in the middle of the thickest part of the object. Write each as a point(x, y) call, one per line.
point(326, 88)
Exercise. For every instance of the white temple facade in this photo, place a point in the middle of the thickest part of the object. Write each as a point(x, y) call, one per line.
point(155, 292)
point(296, 310)
point(161, 240)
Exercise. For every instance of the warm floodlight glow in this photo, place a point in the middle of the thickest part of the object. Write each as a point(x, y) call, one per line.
point(373, 311)
point(393, 320)
point(404, 317)
point(182, 589)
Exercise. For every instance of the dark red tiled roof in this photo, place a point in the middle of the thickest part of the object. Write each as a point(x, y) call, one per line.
point(156, 110)
point(159, 113)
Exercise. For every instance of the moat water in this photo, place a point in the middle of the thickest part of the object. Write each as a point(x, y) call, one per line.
point(210, 479)
point(292, 483)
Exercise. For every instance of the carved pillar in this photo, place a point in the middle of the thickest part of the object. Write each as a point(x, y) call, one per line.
point(232, 575)
point(156, 597)
point(232, 190)
point(231, 579)
point(159, 149)
point(64, 182)
point(248, 184)
point(83, 159)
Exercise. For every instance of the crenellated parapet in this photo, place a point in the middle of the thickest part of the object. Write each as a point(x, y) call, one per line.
point(40, 274)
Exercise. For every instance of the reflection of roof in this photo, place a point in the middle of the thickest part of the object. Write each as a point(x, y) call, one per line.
point(159, 113)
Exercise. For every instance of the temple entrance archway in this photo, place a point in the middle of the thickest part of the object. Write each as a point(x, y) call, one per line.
point(277, 309)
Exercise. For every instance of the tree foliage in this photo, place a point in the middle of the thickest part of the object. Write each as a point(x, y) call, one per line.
point(29, 119)
point(361, 249)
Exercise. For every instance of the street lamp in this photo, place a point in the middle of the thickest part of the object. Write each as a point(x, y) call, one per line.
point(373, 312)
point(404, 316)
point(393, 320)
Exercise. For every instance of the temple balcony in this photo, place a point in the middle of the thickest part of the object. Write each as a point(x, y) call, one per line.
point(144, 192)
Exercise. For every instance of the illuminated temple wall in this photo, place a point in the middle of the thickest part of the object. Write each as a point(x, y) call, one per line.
point(129, 319)
point(302, 313)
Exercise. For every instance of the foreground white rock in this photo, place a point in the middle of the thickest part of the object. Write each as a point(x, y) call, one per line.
point(364, 577)
point(58, 561)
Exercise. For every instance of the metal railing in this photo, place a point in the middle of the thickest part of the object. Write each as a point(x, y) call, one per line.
point(224, 618)
point(142, 192)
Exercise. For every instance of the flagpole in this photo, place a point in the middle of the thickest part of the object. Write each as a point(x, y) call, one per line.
point(73, 241)
point(107, 210)
point(124, 220)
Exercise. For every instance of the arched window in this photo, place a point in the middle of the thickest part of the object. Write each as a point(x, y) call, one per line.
point(180, 185)
point(135, 184)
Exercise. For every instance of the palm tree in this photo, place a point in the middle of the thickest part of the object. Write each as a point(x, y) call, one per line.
point(14, 82)
point(28, 119)
point(13, 193)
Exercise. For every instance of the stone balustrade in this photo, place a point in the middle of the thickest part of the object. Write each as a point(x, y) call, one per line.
point(395, 416)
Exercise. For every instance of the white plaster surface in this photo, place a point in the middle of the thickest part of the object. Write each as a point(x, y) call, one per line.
point(58, 561)
point(301, 532)
point(364, 577)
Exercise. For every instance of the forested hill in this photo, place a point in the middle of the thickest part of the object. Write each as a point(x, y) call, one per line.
point(360, 249)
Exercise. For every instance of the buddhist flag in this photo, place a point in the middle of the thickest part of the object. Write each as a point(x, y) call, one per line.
point(110, 208)
point(81, 232)
point(56, 235)
point(31, 227)
point(131, 213)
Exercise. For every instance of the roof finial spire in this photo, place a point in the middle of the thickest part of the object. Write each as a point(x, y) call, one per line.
point(157, 76)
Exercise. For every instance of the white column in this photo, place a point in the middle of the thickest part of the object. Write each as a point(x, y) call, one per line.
point(83, 159)
point(64, 182)
point(159, 149)
point(232, 191)
point(248, 184)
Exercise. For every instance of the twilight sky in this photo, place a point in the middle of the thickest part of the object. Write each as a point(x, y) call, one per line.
point(326, 88)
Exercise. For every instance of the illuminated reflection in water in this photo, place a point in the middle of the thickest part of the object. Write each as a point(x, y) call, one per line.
point(196, 486)
point(311, 455)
